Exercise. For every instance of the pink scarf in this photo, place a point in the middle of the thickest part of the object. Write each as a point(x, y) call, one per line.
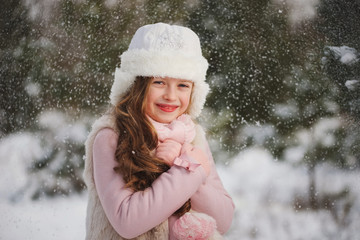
point(182, 129)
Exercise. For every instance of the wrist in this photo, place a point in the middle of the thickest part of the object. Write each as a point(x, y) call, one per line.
point(187, 162)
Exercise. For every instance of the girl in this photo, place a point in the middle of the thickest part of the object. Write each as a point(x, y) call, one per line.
point(148, 169)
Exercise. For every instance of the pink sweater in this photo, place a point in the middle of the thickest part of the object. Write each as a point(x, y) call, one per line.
point(133, 213)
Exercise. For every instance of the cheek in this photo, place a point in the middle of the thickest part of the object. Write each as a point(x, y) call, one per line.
point(185, 100)
point(152, 95)
point(147, 108)
point(149, 101)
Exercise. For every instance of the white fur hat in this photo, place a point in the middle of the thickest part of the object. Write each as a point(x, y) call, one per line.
point(163, 50)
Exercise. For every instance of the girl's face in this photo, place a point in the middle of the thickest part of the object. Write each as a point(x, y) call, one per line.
point(167, 98)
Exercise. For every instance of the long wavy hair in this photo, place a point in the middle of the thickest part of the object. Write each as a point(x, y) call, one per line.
point(137, 141)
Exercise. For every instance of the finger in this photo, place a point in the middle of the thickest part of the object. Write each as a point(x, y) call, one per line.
point(187, 147)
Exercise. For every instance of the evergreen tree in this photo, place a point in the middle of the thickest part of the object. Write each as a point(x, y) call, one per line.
point(19, 67)
point(80, 44)
point(258, 63)
point(338, 21)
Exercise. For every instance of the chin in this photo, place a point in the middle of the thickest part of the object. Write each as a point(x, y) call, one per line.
point(167, 119)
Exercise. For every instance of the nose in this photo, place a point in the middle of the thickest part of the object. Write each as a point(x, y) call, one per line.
point(170, 93)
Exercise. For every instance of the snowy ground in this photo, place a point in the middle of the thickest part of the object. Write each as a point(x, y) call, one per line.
point(264, 193)
point(50, 219)
point(263, 190)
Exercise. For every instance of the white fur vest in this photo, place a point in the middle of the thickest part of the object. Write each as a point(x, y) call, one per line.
point(98, 226)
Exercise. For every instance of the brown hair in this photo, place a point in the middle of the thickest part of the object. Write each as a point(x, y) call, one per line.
point(137, 140)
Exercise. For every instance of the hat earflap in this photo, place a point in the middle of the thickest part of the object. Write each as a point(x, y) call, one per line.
point(121, 85)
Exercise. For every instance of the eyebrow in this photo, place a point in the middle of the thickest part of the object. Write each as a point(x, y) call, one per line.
point(187, 81)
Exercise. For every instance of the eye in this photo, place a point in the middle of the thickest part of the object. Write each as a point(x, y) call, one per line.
point(158, 82)
point(184, 85)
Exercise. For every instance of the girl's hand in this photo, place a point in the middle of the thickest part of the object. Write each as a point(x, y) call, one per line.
point(168, 150)
point(198, 155)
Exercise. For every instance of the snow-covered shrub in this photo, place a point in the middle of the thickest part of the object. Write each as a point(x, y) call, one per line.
point(47, 161)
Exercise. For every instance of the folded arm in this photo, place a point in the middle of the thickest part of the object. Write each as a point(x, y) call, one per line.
point(212, 198)
point(133, 213)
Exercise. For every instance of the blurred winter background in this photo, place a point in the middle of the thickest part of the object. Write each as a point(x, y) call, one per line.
point(283, 115)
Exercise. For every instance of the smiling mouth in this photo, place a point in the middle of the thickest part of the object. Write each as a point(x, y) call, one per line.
point(167, 108)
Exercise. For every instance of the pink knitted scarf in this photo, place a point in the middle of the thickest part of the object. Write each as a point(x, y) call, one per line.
point(182, 129)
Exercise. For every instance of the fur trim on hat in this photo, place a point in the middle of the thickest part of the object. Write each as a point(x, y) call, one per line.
point(164, 64)
point(162, 50)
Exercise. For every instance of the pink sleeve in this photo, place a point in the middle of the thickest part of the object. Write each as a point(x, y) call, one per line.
point(133, 213)
point(211, 198)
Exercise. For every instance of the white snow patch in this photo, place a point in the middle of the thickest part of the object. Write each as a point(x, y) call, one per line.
point(345, 54)
point(286, 111)
point(16, 153)
point(352, 84)
point(33, 89)
point(259, 133)
point(61, 127)
point(300, 9)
